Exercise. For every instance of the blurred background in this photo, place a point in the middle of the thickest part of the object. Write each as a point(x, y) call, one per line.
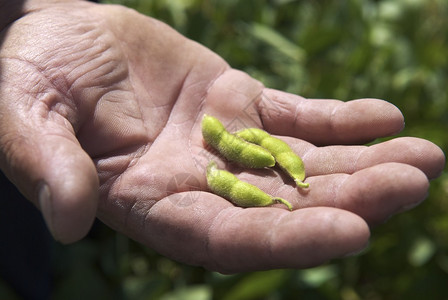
point(392, 50)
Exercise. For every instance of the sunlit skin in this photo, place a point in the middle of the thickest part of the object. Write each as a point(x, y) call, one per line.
point(101, 107)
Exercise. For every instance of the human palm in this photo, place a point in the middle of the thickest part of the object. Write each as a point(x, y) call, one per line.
point(101, 110)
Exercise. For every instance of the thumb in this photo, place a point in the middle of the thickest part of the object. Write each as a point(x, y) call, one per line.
point(51, 169)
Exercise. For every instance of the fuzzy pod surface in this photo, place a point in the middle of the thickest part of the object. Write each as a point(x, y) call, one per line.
point(287, 160)
point(241, 193)
point(234, 148)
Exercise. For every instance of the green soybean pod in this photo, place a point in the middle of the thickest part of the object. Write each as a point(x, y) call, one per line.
point(241, 193)
point(234, 148)
point(290, 162)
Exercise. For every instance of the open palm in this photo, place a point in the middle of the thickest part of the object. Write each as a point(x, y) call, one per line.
point(100, 116)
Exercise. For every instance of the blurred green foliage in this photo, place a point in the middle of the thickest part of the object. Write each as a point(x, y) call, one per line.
point(393, 50)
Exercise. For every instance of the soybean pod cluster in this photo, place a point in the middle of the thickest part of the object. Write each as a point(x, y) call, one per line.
point(252, 148)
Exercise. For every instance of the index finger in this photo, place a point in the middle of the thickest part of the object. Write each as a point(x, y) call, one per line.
point(327, 121)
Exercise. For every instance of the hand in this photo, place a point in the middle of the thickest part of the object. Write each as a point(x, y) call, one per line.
point(100, 111)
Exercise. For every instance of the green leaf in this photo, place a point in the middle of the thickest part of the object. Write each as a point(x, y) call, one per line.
point(257, 285)
point(195, 292)
point(317, 276)
point(421, 252)
point(277, 41)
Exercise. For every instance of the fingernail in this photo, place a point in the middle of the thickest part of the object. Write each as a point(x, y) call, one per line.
point(357, 252)
point(45, 204)
point(408, 206)
point(402, 209)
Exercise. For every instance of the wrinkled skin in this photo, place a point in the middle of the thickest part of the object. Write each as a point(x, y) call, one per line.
point(100, 111)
